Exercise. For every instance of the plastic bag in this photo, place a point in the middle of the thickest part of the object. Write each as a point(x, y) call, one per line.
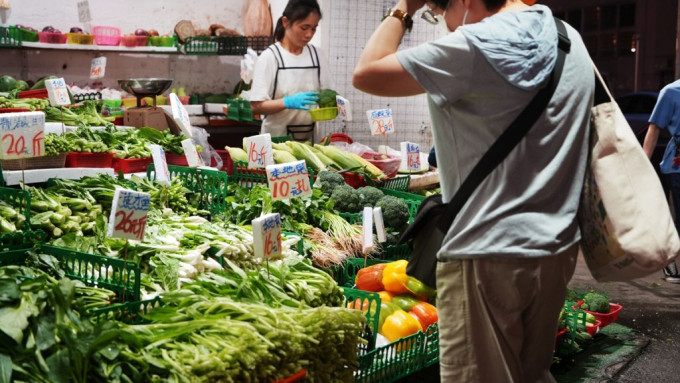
point(208, 155)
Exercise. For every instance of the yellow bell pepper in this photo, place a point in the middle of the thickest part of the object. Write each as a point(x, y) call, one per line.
point(400, 324)
point(385, 296)
point(394, 277)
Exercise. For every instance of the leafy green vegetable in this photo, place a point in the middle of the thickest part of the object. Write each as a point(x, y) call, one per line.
point(327, 98)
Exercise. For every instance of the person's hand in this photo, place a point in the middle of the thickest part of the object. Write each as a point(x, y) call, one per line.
point(301, 100)
point(411, 6)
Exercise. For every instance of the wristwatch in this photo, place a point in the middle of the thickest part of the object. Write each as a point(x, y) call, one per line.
point(401, 15)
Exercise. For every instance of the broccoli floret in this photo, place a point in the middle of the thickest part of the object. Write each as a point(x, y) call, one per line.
point(369, 195)
point(346, 199)
point(327, 98)
point(328, 181)
point(572, 296)
point(596, 302)
point(395, 212)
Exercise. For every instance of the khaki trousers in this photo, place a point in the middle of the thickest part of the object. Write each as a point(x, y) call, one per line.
point(498, 317)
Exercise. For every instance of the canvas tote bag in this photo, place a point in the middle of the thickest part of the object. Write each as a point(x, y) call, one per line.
point(627, 231)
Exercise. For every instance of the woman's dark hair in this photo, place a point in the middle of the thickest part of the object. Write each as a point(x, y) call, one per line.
point(295, 10)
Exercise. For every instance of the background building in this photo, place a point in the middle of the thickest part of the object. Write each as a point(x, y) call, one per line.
point(633, 42)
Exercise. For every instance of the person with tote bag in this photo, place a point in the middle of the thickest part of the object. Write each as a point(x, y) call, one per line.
point(506, 259)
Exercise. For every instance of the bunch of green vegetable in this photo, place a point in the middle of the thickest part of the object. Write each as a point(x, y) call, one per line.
point(596, 302)
point(23, 103)
point(327, 98)
point(83, 115)
point(11, 219)
point(56, 144)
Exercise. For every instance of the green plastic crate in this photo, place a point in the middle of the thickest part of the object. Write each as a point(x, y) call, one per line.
point(248, 178)
point(211, 185)
point(239, 110)
point(400, 183)
point(371, 301)
point(17, 198)
point(118, 275)
point(392, 362)
point(10, 36)
point(212, 45)
point(128, 312)
point(431, 346)
point(22, 239)
point(347, 273)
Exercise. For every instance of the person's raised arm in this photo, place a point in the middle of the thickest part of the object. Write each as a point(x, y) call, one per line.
point(651, 138)
point(379, 72)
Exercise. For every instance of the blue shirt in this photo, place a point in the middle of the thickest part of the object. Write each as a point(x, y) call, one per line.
point(666, 115)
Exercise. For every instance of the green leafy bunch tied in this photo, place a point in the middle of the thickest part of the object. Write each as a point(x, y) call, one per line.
point(327, 98)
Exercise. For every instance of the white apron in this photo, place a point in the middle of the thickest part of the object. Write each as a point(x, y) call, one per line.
point(290, 80)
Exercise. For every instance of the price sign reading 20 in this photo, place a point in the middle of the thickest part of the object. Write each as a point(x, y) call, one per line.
point(289, 180)
point(128, 214)
point(22, 135)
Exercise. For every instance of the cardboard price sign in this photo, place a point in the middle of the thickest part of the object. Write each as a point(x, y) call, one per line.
point(191, 153)
point(128, 214)
point(22, 135)
point(97, 68)
point(57, 92)
point(380, 121)
point(5, 4)
point(260, 152)
point(267, 235)
point(410, 153)
point(180, 114)
point(367, 228)
point(84, 11)
point(344, 108)
point(160, 163)
point(288, 180)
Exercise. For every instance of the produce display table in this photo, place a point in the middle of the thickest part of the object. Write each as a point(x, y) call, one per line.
point(33, 176)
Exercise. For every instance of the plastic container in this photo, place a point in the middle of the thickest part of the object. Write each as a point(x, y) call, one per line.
point(223, 45)
point(324, 114)
point(133, 40)
point(89, 160)
point(227, 163)
point(104, 35)
point(131, 165)
point(129, 102)
point(594, 328)
point(388, 164)
point(400, 183)
point(28, 36)
point(10, 36)
point(338, 137)
point(113, 107)
point(175, 159)
point(161, 41)
point(79, 38)
point(52, 38)
point(608, 318)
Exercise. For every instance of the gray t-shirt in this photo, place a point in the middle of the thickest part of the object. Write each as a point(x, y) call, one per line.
point(527, 206)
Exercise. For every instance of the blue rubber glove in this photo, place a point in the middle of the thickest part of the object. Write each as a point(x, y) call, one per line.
point(301, 100)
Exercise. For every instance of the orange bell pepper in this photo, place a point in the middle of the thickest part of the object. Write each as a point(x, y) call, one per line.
point(370, 278)
point(425, 313)
point(399, 324)
point(394, 277)
point(385, 296)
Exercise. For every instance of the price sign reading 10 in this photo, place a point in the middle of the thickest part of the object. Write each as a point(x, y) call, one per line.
point(128, 214)
point(22, 135)
point(267, 236)
point(289, 180)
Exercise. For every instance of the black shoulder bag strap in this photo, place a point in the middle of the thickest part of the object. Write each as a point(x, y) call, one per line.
point(512, 135)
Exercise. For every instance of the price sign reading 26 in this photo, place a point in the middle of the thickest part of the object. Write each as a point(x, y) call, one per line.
point(128, 214)
point(380, 121)
point(289, 180)
point(22, 135)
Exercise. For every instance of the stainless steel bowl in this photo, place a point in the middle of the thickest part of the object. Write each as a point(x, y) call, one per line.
point(143, 87)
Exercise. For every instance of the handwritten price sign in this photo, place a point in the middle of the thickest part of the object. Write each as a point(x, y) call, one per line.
point(98, 68)
point(160, 164)
point(128, 214)
point(180, 114)
point(5, 4)
point(344, 108)
point(267, 235)
point(57, 92)
point(84, 11)
point(260, 152)
point(288, 180)
point(380, 121)
point(410, 153)
point(22, 135)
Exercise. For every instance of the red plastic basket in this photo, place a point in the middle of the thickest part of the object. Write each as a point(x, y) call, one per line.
point(89, 160)
point(104, 35)
point(297, 377)
point(354, 180)
point(559, 336)
point(52, 38)
point(339, 137)
point(594, 328)
point(175, 159)
point(227, 163)
point(131, 165)
point(388, 165)
point(133, 40)
point(38, 93)
point(608, 318)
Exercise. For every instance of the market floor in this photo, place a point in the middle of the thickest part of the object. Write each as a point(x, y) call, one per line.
point(642, 346)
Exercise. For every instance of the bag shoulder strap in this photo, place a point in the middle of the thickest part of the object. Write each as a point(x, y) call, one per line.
point(507, 141)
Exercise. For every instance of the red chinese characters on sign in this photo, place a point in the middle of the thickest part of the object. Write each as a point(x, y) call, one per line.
point(267, 235)
point(289, 180)
point(22, 135)
point(128, 214)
